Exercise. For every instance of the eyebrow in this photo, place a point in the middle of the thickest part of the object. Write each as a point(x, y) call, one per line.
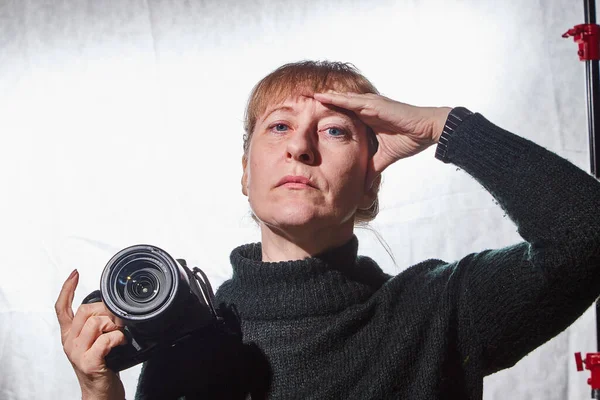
point(281, 108)
point(326, 112)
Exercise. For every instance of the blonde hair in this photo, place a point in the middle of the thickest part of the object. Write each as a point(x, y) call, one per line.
point(307, 78)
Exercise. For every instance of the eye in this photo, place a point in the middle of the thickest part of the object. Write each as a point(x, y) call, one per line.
point(279, 127)
point(336, 132)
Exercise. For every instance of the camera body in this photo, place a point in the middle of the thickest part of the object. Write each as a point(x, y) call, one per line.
point(161, 302)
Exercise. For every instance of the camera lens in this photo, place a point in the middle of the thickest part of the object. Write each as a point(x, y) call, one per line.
point(142, 286)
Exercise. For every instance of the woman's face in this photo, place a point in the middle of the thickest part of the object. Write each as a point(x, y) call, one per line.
point(303, 137)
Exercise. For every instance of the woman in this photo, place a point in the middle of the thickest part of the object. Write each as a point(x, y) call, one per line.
point(320, 322)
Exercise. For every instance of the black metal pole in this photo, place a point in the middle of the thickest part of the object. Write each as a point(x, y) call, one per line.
point(593, 93)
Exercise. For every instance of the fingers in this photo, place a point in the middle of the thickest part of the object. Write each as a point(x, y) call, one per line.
point(63, 305)
point(93, 328)
point(84, 312)
point(350, 101)
point(102, 346)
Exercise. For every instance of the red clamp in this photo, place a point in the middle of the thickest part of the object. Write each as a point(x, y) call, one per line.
point(587, 36)
point(592, 362)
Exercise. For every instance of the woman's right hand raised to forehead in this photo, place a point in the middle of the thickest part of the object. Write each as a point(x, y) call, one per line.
point(87, 337)
point(402, 130)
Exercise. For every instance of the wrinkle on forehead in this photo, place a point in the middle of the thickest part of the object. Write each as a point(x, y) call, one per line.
point(301, 89)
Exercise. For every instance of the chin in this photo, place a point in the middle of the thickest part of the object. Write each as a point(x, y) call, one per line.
point(290, 215)
point(292, 219)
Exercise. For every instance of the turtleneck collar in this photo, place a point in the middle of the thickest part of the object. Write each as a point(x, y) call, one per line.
point(325, 283)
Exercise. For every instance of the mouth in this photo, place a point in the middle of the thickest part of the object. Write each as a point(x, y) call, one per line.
point(295, 182)
point(296, 185)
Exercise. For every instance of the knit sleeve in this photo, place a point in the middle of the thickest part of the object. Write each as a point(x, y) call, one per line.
point(519, 297)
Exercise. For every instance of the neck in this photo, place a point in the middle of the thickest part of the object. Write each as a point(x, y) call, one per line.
point(324, 284)
point(299, 243)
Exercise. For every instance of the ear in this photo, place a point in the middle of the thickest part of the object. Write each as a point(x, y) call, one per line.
point(370, 186)
point(368, 199)
point(370, 194)
point(244, 176)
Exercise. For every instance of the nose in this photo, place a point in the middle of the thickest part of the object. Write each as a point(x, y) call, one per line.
point(301, 146)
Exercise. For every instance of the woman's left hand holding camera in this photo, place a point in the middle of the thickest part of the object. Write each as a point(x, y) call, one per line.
point(87, 337)
point(402, 130)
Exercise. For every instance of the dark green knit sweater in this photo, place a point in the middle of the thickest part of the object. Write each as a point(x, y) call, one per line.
point(335, 326)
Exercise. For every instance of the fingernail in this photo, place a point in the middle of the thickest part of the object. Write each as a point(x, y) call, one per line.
point(72, 274)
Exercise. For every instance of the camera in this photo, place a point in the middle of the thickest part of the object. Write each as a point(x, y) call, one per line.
point(161, 302)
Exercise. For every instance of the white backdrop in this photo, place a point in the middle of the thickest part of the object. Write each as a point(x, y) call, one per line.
point(121, 123)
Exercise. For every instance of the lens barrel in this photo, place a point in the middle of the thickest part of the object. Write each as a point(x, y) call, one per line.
point(142, 283)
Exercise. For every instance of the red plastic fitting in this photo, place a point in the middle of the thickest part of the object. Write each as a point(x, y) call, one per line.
point(587, 36)
point(592, 362)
